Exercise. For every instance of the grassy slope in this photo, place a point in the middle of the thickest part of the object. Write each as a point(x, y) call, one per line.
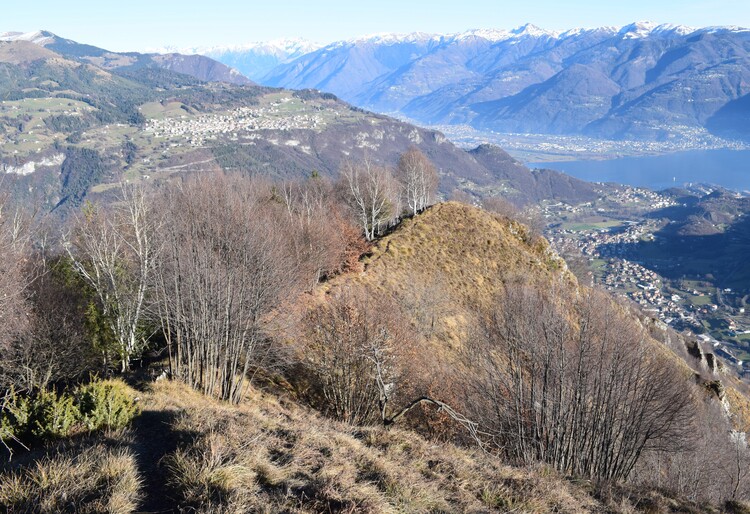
point(450, 261)
point(453, 259)
point(271, 455)
point(189, 453)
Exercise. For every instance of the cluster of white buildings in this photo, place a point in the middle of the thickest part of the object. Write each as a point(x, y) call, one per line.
point(199, 129)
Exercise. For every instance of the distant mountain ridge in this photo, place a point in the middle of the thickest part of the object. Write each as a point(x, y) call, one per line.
point(254, 60)
point(642, 81)
point(197, 66)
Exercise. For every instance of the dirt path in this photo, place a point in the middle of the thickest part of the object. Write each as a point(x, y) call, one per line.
point(154, 438)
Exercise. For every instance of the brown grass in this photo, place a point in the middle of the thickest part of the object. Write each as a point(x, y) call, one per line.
point(97, 479)
point(449, 263)
point(268, 455)
point(271, 455)
point(472, 251)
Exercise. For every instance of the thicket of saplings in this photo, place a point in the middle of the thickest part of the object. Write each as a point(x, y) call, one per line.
point(207, 272)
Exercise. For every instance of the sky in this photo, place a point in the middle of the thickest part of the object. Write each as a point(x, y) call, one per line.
point(148, 24)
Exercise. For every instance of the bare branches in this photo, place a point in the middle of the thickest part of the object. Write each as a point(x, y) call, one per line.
point(585, 393)
point(419, 180)
point(225, 265)
point(347, 348)
point(372, 194)
point(115, 253)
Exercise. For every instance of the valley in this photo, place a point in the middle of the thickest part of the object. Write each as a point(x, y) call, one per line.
point(692, 279)
point(555, 149)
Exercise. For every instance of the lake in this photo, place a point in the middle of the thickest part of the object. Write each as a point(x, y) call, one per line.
point(727, 168)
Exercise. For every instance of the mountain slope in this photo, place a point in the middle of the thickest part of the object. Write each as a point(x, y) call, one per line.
point(71, 127)
point(271, 454)
point(200, 67)
point(532, 186)
point(641, 81)
point(443, 271)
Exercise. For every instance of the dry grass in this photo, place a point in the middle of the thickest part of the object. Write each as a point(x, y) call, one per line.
point(96, 479)
point(449, 263)
point(472, 249)
point(270, 456)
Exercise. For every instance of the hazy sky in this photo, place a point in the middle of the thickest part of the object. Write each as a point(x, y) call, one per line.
point(141, 24)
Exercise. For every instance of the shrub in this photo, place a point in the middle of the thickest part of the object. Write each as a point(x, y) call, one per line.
point(14, 417)
point(106, 404)
point(99, 405)
point(52, 416)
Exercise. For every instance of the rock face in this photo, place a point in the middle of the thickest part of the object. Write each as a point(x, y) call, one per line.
point(706, 360)
point(642, 81)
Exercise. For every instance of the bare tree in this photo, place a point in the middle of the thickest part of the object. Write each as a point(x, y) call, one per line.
point(322, 240)
point(419, 180)
point(581, 390)
point(115, 253)
point(372, 194)
point(501, 206)
point(348, 345)
point(15, 253)
point(713, 465)
point(55, 345)
point(354, 348)
point(224, 267)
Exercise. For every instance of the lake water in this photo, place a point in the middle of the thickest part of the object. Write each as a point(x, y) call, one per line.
point(727, 168)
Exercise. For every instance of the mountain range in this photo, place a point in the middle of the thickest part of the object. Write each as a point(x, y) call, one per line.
point(254, 60)
point(642, 81)
point(76, 119)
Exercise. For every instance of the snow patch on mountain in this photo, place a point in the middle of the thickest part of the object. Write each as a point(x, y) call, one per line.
point(282, 49)
point(40, 37)
point(643, 29)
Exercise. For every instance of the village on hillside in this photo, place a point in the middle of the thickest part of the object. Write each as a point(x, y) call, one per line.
point(717, 317)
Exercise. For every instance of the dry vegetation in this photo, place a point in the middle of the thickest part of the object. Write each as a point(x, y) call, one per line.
point(408, 381)
point(271, 455)
point(448, 263)
point(91, 479)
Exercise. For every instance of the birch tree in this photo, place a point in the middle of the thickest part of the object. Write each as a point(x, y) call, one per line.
point(372, 194)
point(115, 252)
point(419, 180)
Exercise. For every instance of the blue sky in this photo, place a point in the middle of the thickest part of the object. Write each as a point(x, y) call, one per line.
point(142, 24)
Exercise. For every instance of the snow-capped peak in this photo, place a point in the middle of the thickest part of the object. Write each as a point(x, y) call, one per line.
point(643, 29)
point(39, 37)
point(388, 38)
point(280, 48)
point(493, 35)
point(727, 28)
point(533, 31)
